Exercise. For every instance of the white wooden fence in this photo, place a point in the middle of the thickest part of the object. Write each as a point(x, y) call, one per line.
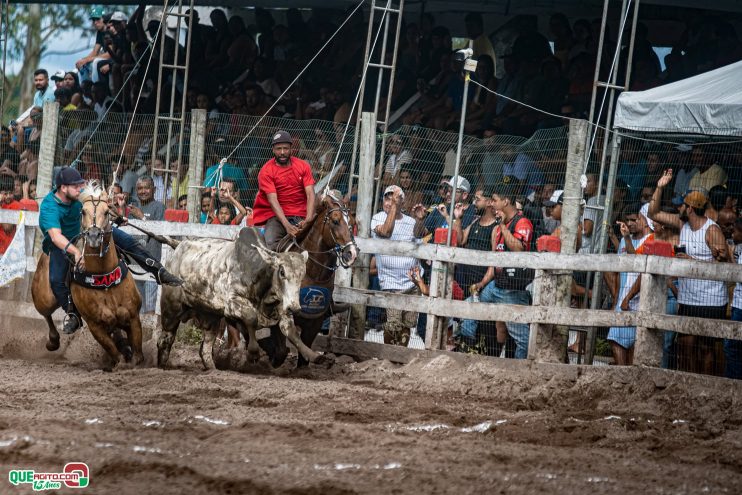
point(545, 312)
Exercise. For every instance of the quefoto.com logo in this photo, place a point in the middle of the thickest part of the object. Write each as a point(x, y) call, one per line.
point(74, 475)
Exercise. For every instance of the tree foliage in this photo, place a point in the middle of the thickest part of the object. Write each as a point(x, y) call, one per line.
point(31, 30)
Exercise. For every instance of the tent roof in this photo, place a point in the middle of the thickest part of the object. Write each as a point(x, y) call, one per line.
point(709, 103)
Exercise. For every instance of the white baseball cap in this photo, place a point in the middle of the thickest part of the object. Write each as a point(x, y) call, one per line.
point(392, 188)
point(119, 16)
point(462, 184)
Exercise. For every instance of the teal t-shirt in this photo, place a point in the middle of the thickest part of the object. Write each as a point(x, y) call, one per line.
point(54, 214)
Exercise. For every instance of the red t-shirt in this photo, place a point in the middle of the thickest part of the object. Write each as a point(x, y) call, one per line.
point(7, 237)
point(288, 183)
point(523, 231)
point(215, 221)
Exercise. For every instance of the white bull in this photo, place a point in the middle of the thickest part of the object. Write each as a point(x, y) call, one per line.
point(240, 281)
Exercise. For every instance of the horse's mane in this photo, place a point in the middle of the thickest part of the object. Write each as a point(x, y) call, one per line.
point(93, 189)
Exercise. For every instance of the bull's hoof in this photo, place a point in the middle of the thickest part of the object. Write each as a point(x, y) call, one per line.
point(52, 344)
point(325, 360)
point(279, 357)
point(253, 357)
point(162, 358)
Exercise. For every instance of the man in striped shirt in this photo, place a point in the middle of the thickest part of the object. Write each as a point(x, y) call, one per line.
point(392, 224)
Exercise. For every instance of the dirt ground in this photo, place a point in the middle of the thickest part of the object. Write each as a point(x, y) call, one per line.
point(448, 424)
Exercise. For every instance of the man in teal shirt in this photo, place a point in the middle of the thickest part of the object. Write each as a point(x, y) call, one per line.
point(59, 221)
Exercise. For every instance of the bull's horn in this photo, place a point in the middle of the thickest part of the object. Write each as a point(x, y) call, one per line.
point(305, 255)
point(267, 255)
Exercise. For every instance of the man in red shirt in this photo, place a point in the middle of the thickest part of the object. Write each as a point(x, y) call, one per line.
point(7, 202)
point(513, 232)
point(285, 198)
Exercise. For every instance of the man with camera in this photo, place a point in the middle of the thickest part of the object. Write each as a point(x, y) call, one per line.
point(439, 215)
point(700, 239)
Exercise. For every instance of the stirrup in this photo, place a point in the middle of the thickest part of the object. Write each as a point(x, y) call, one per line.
point(71, 323)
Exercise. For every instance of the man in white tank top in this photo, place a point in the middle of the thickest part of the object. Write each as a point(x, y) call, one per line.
point(700, 239)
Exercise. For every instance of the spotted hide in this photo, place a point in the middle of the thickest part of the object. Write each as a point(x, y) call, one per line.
point(240, 281)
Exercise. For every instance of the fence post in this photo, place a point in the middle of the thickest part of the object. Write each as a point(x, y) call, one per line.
point(48, 148)
point(196, 164)
point(545, 342)
point(364, 211)
point(652, 299)
point(435, 326)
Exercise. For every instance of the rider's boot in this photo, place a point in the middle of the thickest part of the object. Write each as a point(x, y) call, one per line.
point(154, 267)
point(73, 321)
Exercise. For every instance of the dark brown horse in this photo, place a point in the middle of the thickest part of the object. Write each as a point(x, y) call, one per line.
point(328, 239)
point(114, 302)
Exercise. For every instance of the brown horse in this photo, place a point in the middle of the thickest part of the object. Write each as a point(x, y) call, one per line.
point(328, 238)
point(114, 303)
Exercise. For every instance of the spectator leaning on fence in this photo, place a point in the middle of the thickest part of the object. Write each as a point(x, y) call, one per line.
point(700, 239)
point(514, 232)
point(634, 232)
point(393, 271)
point(146, 207)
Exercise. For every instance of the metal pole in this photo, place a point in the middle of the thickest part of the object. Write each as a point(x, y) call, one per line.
point(603, 240)
point(362, 91)
point(182, 102)
point(4, 33)
point(455, 178)
point(379, 80)
point(598, 61)
point(160, 36)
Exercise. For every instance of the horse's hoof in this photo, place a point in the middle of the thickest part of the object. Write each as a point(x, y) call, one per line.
point(137, 359)
point(52, 345)
point(123, 365)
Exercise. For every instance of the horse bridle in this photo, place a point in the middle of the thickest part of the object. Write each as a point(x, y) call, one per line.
point(103, 250)
point(338, 248)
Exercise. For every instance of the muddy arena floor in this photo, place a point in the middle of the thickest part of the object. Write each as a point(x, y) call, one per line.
point(445, 424)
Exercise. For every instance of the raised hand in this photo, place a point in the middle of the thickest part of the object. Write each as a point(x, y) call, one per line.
point(665, 179)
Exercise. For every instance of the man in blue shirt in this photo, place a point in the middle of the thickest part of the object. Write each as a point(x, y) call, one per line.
point(59, 221)
point(43, 91)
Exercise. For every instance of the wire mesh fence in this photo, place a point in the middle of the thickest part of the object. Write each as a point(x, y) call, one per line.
point(679, 198)
point(508, 179)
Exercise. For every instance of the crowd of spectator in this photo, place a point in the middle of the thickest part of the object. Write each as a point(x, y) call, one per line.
point(507, 195)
